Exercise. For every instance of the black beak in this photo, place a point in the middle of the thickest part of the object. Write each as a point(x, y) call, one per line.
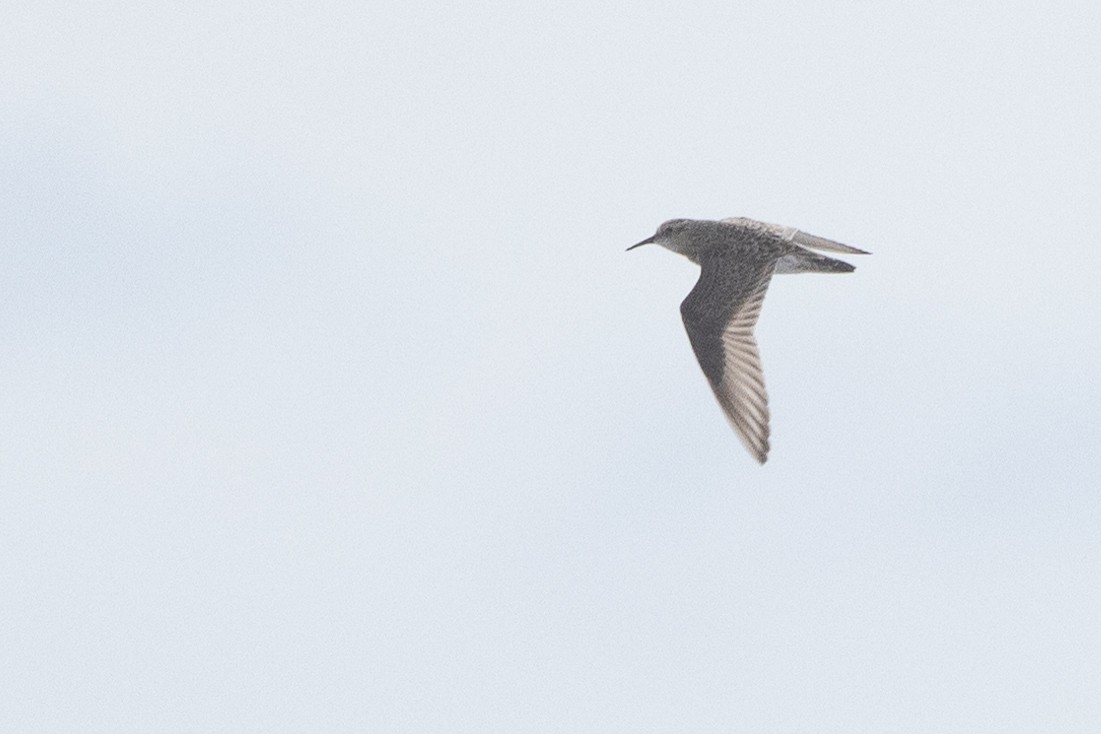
point(647, 241)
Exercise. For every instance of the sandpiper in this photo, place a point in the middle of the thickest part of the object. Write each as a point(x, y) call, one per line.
point(737, 259)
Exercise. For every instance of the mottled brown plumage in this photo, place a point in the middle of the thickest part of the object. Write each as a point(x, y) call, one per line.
point(737, 259)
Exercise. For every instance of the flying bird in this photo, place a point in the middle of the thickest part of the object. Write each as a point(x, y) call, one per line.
point(737, 259)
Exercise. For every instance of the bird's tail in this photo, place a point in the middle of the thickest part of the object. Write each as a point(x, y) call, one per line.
point(805, 261)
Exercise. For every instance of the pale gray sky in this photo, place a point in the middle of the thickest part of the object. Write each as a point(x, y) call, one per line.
point(331, 402)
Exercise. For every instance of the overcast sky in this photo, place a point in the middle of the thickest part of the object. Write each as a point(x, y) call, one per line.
point(331, 401)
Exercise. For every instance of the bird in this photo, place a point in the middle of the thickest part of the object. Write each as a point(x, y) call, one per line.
point(737, 258)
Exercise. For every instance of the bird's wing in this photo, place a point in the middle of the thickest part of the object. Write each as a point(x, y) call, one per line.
point(719, 315)
point(804, 239)
point(815, 242)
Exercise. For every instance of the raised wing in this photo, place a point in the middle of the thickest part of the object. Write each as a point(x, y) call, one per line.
point(815, 242)
point(719, 315)
point(804, 239)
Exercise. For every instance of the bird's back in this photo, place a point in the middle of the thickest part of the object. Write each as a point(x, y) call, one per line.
point(738, 237)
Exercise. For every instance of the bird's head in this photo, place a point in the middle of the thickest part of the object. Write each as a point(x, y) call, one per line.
point(677, 235)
